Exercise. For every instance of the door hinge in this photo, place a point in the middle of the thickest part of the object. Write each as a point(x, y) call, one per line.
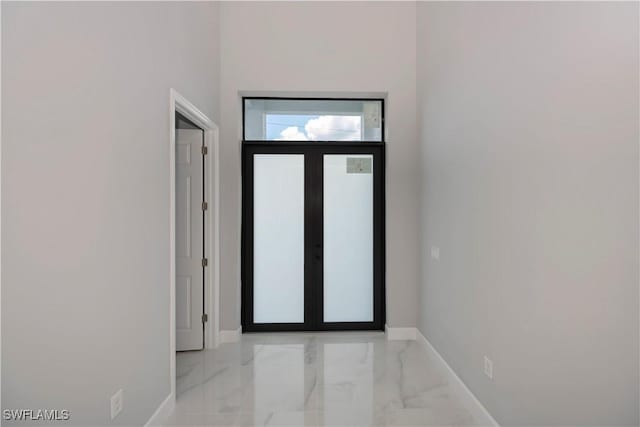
point(204, 150)
point(204, 206)
point(205, 262)
point(205, 318)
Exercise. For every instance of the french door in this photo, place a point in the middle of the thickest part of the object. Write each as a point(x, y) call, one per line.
point(312, 236)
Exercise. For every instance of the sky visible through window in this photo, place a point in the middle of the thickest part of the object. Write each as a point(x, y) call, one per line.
point(283, 127)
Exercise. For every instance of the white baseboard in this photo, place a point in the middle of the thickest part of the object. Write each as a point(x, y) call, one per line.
point(230, 336)
point(400, 333)
point(480, 414)
point(163, 411)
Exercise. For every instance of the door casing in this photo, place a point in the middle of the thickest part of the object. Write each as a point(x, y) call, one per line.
point(313, 301)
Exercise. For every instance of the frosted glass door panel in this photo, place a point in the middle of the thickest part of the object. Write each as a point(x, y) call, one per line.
point(348, 238)
point(278, 238)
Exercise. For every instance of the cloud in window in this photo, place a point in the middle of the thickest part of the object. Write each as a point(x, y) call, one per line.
point(325, 128)
point(333, 128)
point(292, 133)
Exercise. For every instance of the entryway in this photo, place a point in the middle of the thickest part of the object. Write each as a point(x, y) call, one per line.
point(313, 219)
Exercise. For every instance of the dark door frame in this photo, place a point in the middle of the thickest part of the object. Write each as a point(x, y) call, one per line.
point(313, 270)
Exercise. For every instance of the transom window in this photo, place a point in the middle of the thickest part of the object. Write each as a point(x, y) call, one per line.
point(313, 119)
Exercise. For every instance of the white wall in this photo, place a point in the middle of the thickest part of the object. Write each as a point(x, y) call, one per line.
point(529, 133)
point(85, 197)
point(322, 47)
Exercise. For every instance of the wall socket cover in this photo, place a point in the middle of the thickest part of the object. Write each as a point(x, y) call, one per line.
point(435, 252)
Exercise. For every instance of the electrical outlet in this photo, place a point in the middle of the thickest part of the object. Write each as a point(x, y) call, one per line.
point(435, 252)
point(117, 403)
point(488, 367)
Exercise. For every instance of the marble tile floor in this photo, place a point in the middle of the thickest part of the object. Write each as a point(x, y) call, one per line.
point(314, 379)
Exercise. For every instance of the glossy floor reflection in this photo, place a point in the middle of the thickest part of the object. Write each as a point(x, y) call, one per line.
point(332, 379)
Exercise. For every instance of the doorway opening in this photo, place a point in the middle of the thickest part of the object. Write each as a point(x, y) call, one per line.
point(194, 231)
point(313, 214)
point(191, 229)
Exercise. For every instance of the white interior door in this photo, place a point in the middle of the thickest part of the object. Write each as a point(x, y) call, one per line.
point(189, 240)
